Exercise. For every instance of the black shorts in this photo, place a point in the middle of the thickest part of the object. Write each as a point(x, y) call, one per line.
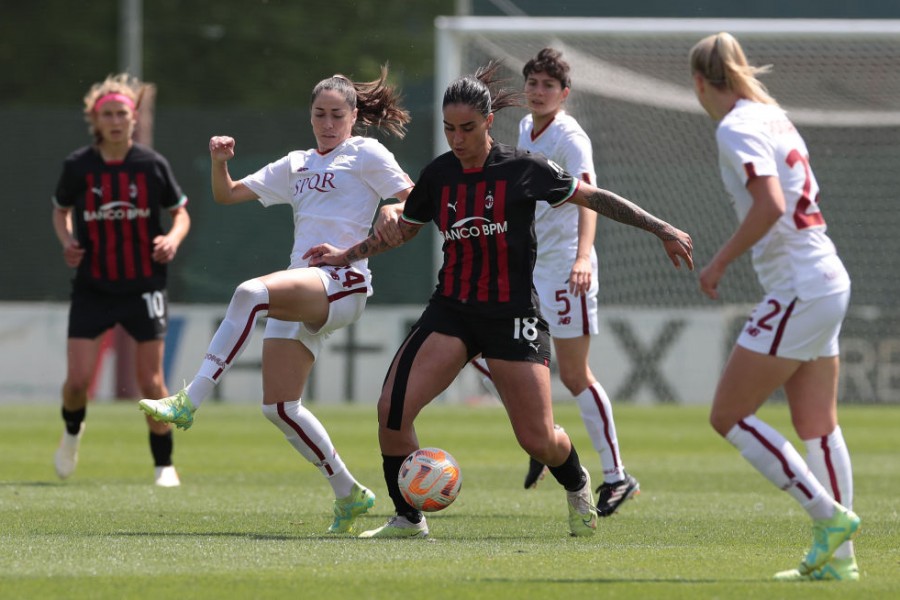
point(145, 316)
point(524, 339)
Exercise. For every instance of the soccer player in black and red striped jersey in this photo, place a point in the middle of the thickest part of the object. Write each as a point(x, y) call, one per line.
point(482, 197)
point(107, 215)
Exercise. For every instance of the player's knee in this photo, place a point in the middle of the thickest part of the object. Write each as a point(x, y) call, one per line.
point(813, 425)
point(575, 383)
point(270, 412)
point(249, 290)
point(722, 421)
point(536, 444)
point(575, 378)
point(151, 384)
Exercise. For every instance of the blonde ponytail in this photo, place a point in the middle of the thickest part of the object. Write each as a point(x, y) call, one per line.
point(721, 61)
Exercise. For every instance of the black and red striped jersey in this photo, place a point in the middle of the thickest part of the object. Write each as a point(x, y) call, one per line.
point(485, 217)
point(116, 208)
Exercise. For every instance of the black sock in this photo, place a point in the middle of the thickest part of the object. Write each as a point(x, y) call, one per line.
point(73, 419)
point(161, 448)
point(570, 474)
point(391, 466)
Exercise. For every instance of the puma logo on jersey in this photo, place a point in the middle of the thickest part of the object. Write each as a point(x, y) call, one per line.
point(452, 205)
point(534, 346)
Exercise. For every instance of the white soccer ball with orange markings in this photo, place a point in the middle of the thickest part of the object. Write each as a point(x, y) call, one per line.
point(430, 479)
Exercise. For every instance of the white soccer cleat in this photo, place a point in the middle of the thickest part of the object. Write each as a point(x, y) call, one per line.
point(582, 512)
point(66, 457)
point(398, 527)
point(166, 477)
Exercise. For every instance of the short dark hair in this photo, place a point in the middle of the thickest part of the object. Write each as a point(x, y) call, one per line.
point(549, 61)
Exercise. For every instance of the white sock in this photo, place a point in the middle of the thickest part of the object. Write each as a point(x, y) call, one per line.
point(199, 390)
point(250, 300)
point(780, 463)
point(596, 412)
point(829, 460)
point(307, 435)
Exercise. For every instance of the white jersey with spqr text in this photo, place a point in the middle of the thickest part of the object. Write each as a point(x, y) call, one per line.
point(564, 142)
point(795, 255)
point(334, 195)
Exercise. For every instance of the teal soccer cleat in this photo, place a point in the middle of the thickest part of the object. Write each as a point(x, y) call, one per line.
point(176, 409)
point(346, 510)
point(828, 535)
point(837, 569)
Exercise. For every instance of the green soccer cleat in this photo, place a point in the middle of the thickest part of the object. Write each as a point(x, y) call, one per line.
point(582, 513)
point(398, 527)
point(176, 409)
point(837, 569)
point(828, 534)
point(346, 510)
point(791, 575)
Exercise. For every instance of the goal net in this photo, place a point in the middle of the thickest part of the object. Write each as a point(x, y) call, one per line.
point(632, 93)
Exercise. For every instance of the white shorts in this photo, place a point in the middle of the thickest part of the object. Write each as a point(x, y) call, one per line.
point(347, 289)
point(568, 316)
point(783, 325)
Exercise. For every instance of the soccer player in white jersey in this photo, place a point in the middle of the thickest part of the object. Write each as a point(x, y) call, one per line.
point(566, 274)
point(334, 189)
point(791, 338)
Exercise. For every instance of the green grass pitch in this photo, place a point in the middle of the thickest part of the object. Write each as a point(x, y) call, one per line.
point(250, 516)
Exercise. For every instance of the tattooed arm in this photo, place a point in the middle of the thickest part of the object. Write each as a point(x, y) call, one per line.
point(678, 244)
point(326, 254)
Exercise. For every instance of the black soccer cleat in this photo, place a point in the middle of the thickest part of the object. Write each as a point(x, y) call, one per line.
point(536, 472)
point(610, 496)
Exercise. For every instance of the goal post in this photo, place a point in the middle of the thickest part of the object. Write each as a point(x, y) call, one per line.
point(839, 80)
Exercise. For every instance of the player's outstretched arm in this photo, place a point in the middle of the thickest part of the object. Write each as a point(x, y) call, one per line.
point(326, 254)
point(225, 190)
point(677, 243)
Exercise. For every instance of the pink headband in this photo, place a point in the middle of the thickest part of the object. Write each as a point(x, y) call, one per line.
point(113, 97)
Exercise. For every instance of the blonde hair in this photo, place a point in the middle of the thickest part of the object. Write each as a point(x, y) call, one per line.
point(721, 61)
point(121, 83)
